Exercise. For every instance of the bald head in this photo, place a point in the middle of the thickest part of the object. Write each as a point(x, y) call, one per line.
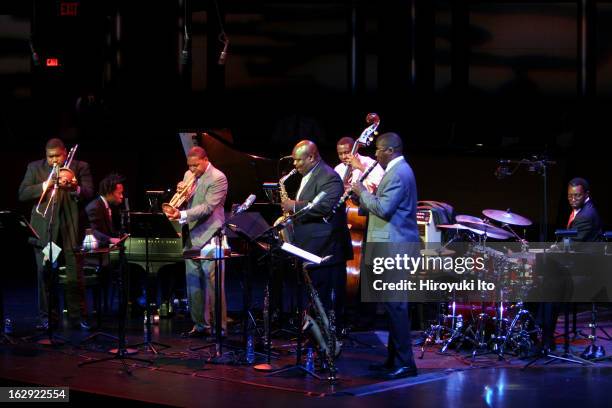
point(305, 156)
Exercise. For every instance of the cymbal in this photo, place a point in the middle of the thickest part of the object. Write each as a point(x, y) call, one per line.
point(437, 252)
point(452, 226)
point(490, 230)
point(507, 217)
point(462, 218)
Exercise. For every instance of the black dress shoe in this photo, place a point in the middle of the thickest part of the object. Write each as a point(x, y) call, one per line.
point(195, 333)
point(43, 325)
point(80, 325)
point(380, 367)
point(402, 372)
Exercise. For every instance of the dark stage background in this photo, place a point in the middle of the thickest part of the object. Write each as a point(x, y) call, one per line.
point(464, 83)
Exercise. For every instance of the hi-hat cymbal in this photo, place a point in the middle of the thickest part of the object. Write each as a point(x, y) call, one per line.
point(490, 230)
point(462, 218)
point(507, 217)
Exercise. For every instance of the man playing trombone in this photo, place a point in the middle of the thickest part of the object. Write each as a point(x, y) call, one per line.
point(57, 186)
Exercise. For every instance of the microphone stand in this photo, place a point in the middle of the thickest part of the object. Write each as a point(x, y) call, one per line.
point(540, 165)
point(51, 271)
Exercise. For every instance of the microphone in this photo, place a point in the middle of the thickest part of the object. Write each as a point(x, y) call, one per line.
point(317, 199)
point(286, 157)
point(245, 206)
point(223, 55)
point(305, 209)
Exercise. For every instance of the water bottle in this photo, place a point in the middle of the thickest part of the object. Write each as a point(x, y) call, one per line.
point(250, 350)
point(90, 242)
point(310, 360)
point(147, 332)
point(8, 326)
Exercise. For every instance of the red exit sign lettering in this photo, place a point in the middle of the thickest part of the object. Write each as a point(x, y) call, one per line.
point(69, 8)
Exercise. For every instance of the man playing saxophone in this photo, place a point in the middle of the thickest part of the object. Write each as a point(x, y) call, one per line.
point(203, 192)
point(312, 233)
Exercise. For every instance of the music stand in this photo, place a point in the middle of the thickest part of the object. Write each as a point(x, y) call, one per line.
point(141, 224)
point(122, 352)
point(310, 259)
point(250, 226)
point(13, 226)
point(100, 253)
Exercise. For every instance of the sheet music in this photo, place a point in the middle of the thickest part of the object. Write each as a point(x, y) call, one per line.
point(307, 256)
point(56, 252)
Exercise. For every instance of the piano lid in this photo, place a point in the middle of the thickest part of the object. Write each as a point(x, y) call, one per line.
point(245, 172)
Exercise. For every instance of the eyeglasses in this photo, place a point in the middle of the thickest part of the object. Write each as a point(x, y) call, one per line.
point(383, 148)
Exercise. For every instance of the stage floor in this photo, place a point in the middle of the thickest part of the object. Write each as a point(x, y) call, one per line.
point(181, 376)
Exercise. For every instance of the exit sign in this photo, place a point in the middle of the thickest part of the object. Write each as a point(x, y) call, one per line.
point(52, 62)
point(69, 9)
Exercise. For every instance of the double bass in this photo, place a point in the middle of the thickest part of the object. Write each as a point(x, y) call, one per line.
point(356, 222)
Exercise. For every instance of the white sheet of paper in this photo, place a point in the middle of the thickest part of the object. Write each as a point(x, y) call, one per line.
point(56, 251)
point(292, 249)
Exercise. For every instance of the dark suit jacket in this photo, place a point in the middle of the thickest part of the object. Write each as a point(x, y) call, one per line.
point(100, 222)
point(68, 203)
point(587, 223)
point(314, 235)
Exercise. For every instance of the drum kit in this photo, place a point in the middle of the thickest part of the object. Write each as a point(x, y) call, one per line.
point(490, 327)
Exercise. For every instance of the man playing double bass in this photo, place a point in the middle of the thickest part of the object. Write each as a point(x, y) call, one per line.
point(356, 164)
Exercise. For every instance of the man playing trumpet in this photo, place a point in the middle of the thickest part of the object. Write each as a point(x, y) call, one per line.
point(203, 190)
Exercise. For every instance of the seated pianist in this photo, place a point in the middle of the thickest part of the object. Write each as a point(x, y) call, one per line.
point(100, 213)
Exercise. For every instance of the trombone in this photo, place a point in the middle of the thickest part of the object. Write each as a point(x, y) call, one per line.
point(63, 172)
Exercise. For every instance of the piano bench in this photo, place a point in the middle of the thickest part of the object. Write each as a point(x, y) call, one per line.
point(91, 280)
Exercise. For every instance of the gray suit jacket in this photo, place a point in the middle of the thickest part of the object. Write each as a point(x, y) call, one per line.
point(392, 211)
point(205, 208)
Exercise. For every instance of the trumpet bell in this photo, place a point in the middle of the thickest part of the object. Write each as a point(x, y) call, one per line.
point(168, 209)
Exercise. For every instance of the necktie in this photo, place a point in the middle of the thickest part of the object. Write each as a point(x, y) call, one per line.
point(571, 218)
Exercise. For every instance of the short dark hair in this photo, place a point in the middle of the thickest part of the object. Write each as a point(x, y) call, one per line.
point(197, 151)
point(109, 183)
point(346, 140)
point(392, 140)
point(579, 181)
point(54, 144)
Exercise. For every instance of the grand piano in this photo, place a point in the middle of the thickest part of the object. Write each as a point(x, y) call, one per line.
point(246, 174)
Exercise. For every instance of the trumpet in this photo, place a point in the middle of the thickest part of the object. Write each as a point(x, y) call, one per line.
point(63, 175)
point(181, 196)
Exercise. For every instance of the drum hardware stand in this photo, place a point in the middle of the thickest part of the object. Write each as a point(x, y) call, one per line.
point(567, 355)
point(526, 317)
point(594, 352)
point(435, 332)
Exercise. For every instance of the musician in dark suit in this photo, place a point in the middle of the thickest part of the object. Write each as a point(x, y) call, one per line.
point(72, 192)
point(584, 217)
point(201, 219)
point(100, 210)
point(585, 220)
point(312, 233)
point(392, 220)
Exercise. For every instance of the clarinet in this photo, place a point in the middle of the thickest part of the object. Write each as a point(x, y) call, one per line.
point(348, 193)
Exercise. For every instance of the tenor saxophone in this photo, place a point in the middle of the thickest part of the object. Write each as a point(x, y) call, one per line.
point(286, 234)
